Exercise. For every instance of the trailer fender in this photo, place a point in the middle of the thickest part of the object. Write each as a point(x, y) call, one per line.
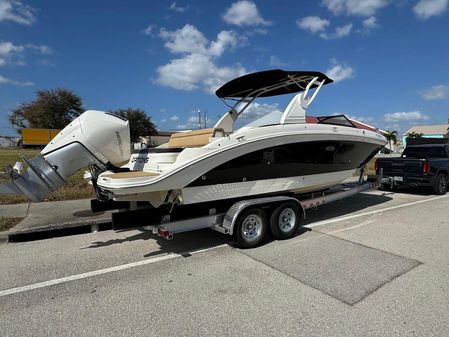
point(236, 209)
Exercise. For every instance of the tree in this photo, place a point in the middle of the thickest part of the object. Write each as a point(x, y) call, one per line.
point(140, 123)
point(52, 109)
point(392, 137)
point(413, 134)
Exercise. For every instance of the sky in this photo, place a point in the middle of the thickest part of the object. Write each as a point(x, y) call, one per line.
point(389, 58)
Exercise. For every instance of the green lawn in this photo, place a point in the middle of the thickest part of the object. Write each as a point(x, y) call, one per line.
point(76, 187)
point(8, 223)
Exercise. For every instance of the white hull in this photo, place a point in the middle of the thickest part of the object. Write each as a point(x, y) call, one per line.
point(302, 184)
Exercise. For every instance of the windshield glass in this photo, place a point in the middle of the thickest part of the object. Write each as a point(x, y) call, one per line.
point(273, 117)
point(424, 151)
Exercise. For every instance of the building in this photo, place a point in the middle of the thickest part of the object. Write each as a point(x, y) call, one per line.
point(428, 131)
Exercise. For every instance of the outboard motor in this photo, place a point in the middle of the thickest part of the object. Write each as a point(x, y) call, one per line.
point(94, 137)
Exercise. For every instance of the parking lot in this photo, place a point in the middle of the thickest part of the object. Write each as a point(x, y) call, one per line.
point(376, 264)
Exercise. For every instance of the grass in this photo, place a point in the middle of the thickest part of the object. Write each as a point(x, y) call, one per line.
point(8, 223)
point(75, 188)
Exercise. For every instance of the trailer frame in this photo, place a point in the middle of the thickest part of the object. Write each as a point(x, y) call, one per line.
point(225, 222)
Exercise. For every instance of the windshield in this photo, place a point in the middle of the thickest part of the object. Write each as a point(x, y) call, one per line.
point(273, 117)
point(424, 152)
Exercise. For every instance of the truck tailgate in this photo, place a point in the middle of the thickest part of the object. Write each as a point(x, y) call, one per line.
point(399, 166)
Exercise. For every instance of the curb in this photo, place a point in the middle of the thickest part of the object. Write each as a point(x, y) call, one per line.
point(4, 237)
point(59, 229)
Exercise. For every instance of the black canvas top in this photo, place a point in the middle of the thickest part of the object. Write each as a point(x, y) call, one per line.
point(251, 84)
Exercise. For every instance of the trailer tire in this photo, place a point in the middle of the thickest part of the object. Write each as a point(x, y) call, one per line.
point(284, 221)
point(251, 228)
point(440, 186)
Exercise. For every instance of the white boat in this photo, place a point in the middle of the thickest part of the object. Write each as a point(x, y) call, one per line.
point(277, 154)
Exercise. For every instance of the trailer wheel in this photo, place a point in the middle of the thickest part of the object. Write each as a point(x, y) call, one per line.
point(285, 221)
point(440, 186)
point(251, 228)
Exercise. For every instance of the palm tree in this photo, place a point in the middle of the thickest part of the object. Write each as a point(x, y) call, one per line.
point(414, 134)
point(392, 137)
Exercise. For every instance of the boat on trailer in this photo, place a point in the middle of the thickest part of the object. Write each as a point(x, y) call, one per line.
point(295, 153)
point(220, 170)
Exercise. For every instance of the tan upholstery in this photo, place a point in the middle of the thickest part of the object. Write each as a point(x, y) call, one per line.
point(130, 174)
point(195, 138)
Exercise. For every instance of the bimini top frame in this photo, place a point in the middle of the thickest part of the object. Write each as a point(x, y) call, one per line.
point(247, 88)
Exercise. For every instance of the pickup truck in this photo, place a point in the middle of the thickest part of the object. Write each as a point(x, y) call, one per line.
point(425, 165)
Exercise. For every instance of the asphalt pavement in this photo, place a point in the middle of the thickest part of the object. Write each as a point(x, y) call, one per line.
point(374, 265)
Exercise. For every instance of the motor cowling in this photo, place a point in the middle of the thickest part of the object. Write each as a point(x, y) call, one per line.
point(94, 137)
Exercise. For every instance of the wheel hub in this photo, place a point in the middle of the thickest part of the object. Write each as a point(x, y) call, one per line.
point(252, 227)
point(287, 219)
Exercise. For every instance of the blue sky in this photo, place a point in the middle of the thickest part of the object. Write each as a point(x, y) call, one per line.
point(390, 58)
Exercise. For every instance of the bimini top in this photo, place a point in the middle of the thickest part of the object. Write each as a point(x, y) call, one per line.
point(270, 83)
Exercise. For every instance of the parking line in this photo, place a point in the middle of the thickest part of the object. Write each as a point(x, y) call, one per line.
point(325, 222)
point(66, 279)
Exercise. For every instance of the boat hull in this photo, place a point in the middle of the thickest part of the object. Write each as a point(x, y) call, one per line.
point(307, 160)
point(296, 184)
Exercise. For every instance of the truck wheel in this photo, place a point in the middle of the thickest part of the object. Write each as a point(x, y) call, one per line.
point(284, 221)
point(440, 186)
point(387, 187)
point(251, 228)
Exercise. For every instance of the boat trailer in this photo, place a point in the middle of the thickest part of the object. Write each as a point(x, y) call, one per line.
point(248, 220)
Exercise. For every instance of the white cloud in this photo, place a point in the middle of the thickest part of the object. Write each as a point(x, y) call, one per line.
point(436, 92)
point(5, 80)
point(424, 9)
point(40, 49)
point(354, 7)
point(197, 68)
point(405, 116)
point(362, 119)
point(225, 39)
point(340, 32)
point(244, 13)
point(8, 48)
point(149, 30)
point(16, 11)
point(343, 31)
point(370, 23)
point(185, 73)
point(220, 75)
point(188, 39)
point(14, 54)
point(313, 23)
point(194, 71)
point(174, 118)
point(10, 53)
point(174, 7)
point(339, 72)
point(317, 25)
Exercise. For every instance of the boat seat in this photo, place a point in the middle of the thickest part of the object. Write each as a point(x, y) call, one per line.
point(130, 174)
point(196, 138)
